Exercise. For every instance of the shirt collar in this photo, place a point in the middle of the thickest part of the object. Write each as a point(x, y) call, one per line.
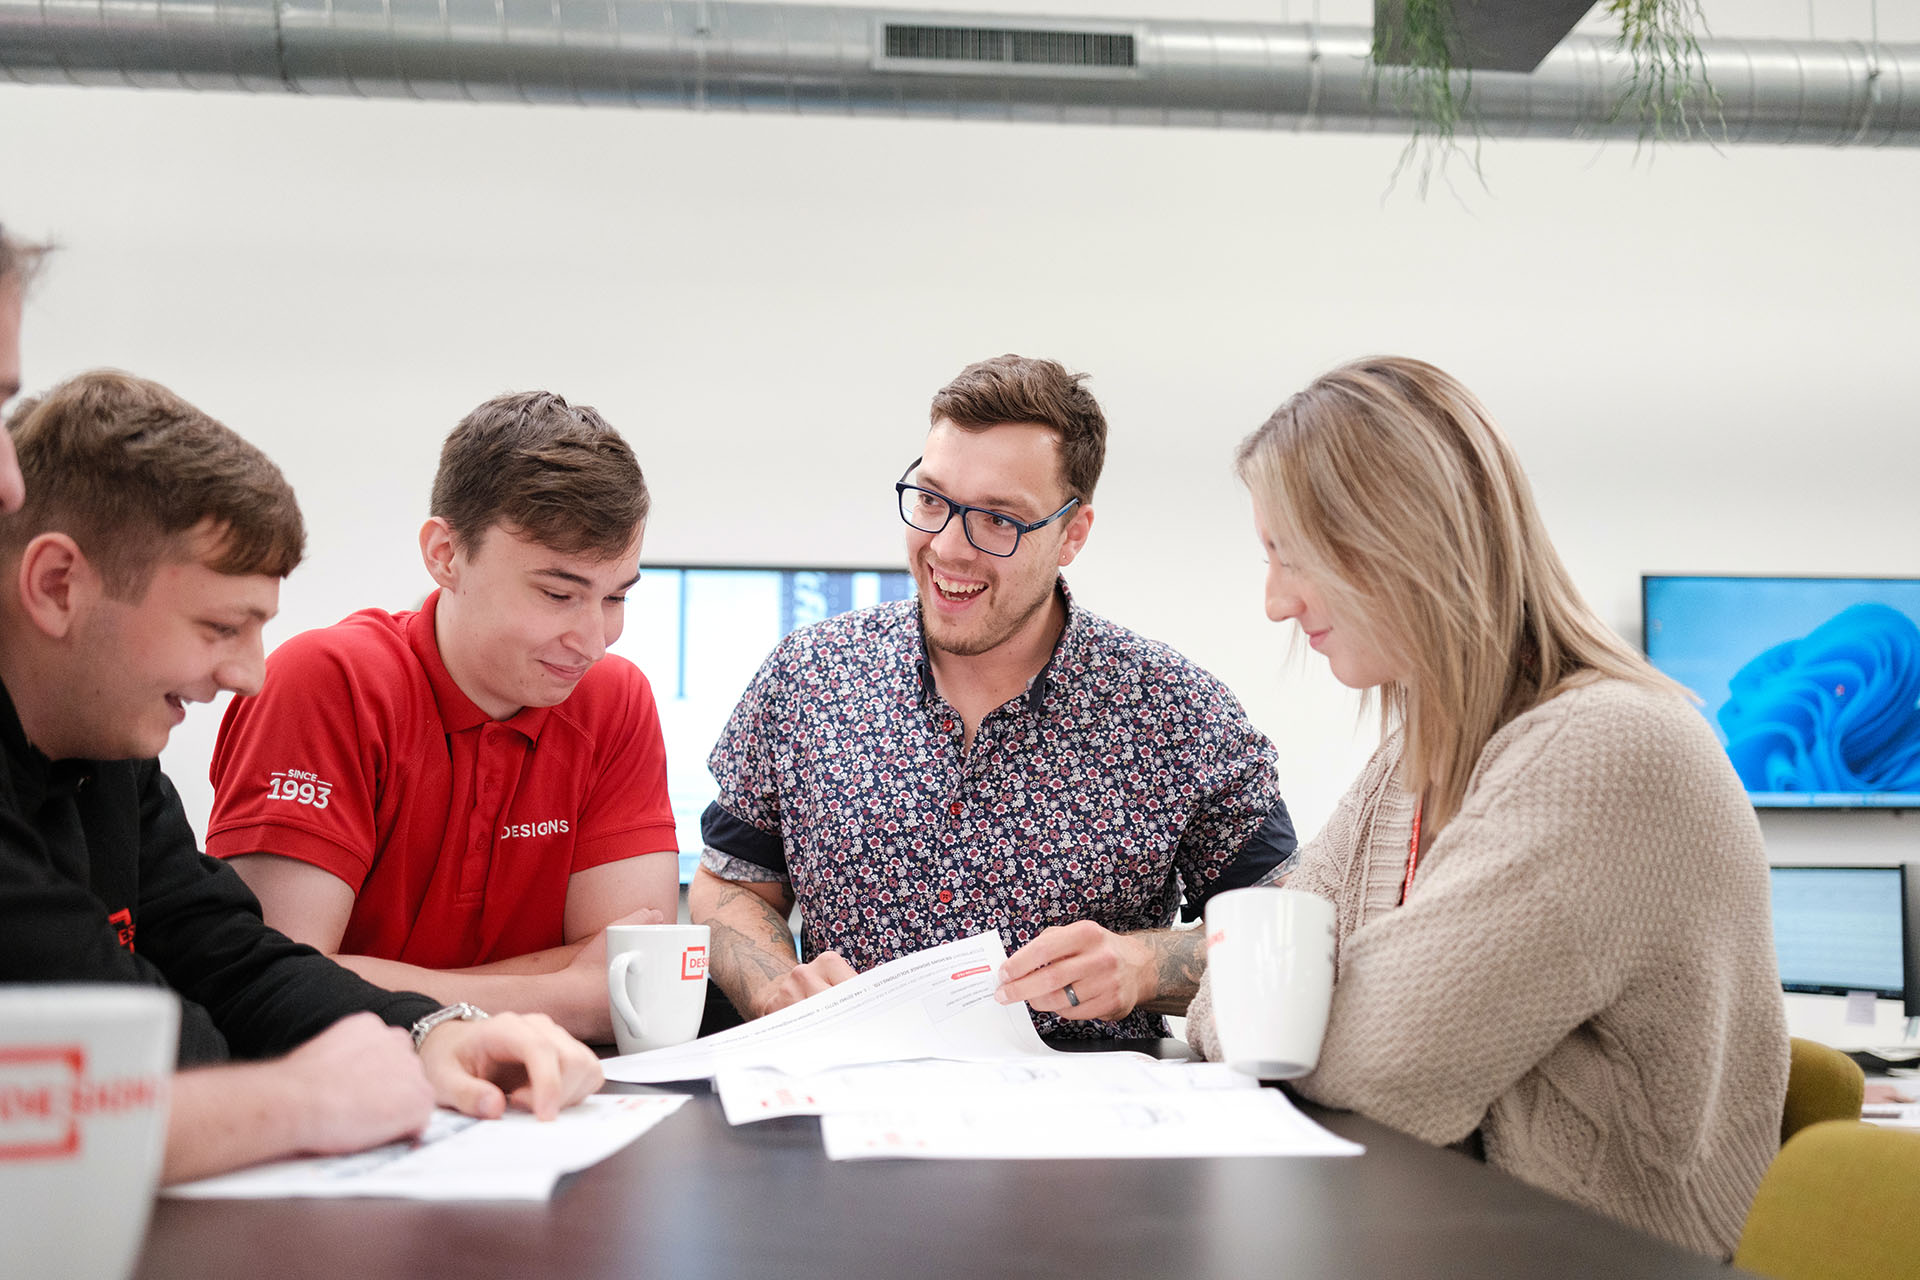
point(1061, 666)
point(33, 777)
point(1064, 664)
point(458, 712)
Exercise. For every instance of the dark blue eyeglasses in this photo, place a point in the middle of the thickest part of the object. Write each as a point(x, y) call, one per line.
point(993, 532)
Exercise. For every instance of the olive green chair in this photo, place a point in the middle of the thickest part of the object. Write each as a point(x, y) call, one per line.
point(1822, 1084)
point(1840, 1202)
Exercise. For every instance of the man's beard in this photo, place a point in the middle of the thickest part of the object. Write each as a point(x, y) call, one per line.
point(972, 646)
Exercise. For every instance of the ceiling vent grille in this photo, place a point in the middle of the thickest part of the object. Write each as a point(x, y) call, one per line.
point(921, 46)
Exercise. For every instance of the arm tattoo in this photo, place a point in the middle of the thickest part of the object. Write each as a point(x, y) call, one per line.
point(1179, 958)
point(751, 950)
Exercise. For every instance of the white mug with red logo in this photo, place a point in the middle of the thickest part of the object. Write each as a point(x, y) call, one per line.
point(85, 1075)
point(657, 981)
point(1270, 960)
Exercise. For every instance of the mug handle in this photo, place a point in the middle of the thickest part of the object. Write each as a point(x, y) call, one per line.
point(617, 988)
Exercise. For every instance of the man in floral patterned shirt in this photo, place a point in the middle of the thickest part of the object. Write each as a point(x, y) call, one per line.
point(989, 756)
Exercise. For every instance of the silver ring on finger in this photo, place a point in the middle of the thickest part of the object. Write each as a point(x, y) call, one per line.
point(1073, 1001)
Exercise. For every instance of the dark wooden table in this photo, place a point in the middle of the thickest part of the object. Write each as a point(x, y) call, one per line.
point(695, 1197)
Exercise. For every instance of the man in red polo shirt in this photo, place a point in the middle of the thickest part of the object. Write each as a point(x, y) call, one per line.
point(460, 800)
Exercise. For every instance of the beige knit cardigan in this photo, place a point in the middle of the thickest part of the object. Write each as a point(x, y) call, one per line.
point(1583, 971)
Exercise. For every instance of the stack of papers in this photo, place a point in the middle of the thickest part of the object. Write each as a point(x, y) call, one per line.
point(1079, 1106)
point(915, 1059)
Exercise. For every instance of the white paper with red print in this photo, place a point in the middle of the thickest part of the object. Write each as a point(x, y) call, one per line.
point(936, 1003)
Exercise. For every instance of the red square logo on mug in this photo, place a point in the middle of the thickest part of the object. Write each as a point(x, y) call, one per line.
point(693, 963)
point(37, 1089)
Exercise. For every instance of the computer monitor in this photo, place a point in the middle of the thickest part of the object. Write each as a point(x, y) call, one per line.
point(1838, 930)
point(1811, 684)
point(699, 632)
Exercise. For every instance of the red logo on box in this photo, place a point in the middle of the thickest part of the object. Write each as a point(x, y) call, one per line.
point(693, 963)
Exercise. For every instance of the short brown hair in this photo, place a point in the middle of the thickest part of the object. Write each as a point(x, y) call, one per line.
point(1014, 388)
point(19, 259)
point(552, 471)
point(128, 470)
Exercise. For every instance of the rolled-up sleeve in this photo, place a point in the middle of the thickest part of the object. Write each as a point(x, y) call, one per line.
point(1241, 832)
point(742, 828)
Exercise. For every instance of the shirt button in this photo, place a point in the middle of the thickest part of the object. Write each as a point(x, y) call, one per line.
point(946, 725)
point(946, 895)
point(954, 808)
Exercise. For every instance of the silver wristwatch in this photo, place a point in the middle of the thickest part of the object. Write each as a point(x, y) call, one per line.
point(462, 1012)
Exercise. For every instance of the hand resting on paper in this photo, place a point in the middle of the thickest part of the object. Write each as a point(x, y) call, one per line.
point(511, 1059)
point(355, 1085)
point(359, 1084)
point(1111, 974)
point(803, 980)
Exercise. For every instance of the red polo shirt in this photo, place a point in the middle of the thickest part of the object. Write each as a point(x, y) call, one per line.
point(457, 833)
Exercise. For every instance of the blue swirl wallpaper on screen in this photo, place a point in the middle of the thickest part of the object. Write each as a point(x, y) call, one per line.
point(1812, 684)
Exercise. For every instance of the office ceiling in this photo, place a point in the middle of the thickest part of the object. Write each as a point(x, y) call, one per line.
point(912, 60)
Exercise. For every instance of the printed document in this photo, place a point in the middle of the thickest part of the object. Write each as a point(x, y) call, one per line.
point(458, 1157)
point(1233, 1122)
point(761, 1093)
point(936, 1003)
point(915, 1059)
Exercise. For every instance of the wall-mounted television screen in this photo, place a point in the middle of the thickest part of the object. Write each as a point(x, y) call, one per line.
point(699, 632)
point(1811, 684)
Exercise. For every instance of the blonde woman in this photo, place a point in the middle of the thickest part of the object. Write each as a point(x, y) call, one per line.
point(1554, 944)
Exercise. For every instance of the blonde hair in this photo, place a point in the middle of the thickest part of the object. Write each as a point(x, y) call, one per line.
point(1392, 490)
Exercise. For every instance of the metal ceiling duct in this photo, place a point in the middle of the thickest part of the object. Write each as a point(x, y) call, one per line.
point(721, 55)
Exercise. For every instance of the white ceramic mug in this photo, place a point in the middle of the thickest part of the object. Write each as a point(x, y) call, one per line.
point(1270, 960)
point(85, 1075)
point(657, 982)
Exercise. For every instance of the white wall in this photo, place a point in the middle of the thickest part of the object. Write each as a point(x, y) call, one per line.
point(1706, 358)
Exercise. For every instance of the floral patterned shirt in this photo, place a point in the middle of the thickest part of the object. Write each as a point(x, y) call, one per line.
point(1123, 777)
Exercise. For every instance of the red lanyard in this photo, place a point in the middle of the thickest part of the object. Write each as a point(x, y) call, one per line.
point(1413, 850)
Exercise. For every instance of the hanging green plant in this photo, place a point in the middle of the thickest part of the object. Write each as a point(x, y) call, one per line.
point(1664, 90)
point(1432, 92)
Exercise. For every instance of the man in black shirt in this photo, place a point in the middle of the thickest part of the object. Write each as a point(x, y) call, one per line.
point(137, 578)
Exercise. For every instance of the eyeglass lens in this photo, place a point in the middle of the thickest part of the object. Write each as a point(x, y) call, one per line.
point(929, 513)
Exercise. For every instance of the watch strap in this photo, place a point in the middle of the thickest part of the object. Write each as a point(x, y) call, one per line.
point(461, 1012)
